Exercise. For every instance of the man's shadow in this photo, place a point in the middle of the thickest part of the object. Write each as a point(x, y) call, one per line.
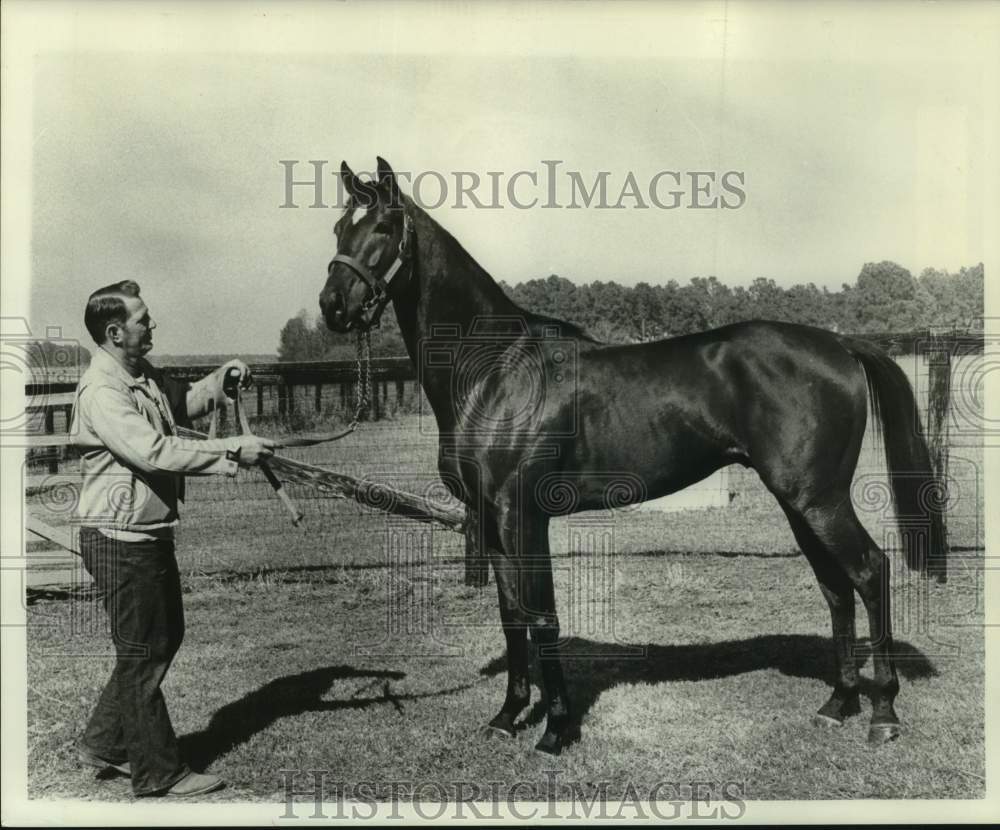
point(593, 668)
point(237, 722)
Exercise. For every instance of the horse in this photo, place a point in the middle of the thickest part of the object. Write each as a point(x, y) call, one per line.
point(534, 416)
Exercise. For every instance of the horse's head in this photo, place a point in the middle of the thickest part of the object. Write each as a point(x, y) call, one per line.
point(373, 252)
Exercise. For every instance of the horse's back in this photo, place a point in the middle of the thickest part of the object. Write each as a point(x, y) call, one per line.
point(768, 395)
point(740, 357)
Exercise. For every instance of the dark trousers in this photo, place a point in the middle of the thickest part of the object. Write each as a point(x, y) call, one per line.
point(141, 588)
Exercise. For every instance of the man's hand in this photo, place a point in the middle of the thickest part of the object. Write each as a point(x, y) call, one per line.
point(253, 450)
point(210, 393)
point(238, 368)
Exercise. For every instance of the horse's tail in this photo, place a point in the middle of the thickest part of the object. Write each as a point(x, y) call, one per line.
point(916, 492)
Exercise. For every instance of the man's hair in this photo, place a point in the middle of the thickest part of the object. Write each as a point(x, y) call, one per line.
point(107, 305)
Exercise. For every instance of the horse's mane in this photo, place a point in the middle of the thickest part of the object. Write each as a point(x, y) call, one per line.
point(536, 321)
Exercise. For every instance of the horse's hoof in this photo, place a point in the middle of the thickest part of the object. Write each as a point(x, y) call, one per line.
point(493, 731)
point(882, 733)
point(826, 722)
point(550, 744)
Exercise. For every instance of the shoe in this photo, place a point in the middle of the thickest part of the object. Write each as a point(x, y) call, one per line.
point(196, 783)
point(89, 759)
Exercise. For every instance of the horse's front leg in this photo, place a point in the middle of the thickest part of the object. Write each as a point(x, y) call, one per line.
point(538, 608)
point(515, 631)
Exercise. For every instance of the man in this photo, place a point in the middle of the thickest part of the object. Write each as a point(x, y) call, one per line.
point(133, 464)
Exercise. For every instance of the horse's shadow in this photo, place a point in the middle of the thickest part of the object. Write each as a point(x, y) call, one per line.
point(591, 667)
point(595, 667)
point(237, 722)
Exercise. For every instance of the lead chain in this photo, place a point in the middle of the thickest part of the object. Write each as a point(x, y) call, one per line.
point(363, 383)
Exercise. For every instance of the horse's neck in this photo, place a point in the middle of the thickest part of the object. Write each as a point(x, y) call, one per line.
point(450, 296)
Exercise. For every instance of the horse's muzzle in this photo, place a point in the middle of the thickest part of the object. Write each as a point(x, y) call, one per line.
point(334, 310)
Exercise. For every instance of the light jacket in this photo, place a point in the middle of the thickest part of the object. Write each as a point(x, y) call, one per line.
point(132, 462)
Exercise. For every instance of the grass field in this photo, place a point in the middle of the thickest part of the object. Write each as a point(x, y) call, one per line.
point(698, 648)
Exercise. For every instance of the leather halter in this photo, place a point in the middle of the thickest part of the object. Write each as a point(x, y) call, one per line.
point(372, 308)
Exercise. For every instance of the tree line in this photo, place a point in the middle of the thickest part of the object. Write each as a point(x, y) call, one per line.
point(885, 297)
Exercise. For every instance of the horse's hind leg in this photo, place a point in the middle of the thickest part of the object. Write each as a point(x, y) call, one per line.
point(837, 528)
point(873, 585)
point(559, 728)
point(838, 591)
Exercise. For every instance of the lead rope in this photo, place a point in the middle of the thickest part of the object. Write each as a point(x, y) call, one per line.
point(363, 392)
point(276, 485)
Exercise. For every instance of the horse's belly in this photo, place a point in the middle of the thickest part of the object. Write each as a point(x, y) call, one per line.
point(610, 470)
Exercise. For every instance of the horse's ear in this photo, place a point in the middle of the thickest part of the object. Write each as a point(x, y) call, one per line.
point(362, 192)
point(387, 182)
point(384, 170)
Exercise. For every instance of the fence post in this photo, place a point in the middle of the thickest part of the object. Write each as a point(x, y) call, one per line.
point(938, 422)
point(319, 397)
point(282, 398)
point(50, 428)
point(64, 450)
point(260, 400)
point(400, 391)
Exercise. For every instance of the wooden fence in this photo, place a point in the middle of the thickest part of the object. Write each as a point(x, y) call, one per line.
point(283, 389)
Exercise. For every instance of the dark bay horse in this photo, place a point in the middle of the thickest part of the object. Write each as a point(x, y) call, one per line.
point(536, 418)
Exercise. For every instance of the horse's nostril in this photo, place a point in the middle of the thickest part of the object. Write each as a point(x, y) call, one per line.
point(333, 306)
point(332, 302)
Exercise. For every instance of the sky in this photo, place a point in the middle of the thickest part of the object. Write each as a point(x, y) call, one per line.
point(155, 154)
